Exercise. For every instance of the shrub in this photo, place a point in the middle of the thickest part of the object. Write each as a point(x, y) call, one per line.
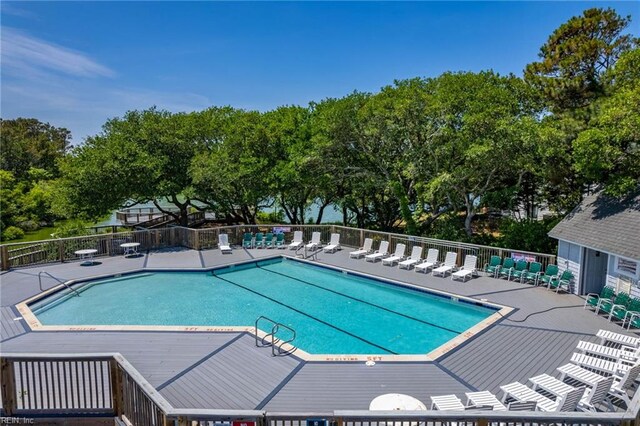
point(12, 233)
point(528, 235)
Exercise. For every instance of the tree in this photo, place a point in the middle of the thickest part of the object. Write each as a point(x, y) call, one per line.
point(608, 152)
point(232, 173)
point(142, 157)
point(576, 57)
point(27, 143)
point(486, 128)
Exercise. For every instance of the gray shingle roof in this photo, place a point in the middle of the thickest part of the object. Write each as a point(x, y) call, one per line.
point(604, 223)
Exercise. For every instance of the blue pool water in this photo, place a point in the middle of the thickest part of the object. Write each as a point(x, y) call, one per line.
point(332, 312)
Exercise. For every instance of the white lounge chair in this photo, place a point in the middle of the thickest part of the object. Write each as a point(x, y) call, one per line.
point(448, 265)
point(381, 253)
point(446, 403)
point(618, 338)
point(590, 398)
point(416, 253)
point(567, 402)
point(429, 262)
point(362, 251)
point(397, 256)
point(467, 270)
point(616, 354)
point(297, 240)
point(315, 242)
point(601, 365)
point(334, 244)
point(223, 243)
point(483, 398)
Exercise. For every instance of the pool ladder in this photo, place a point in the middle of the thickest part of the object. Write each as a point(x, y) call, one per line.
point(57, 279)
point(271, 339)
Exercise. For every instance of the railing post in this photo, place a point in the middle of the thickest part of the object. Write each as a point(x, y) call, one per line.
point(116, 389)
point(61, 250)
point(361, 238)
point(8, 383)
point(4, 258)
point(196, 243)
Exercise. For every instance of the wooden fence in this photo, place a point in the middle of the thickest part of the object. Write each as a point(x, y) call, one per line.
point(63, 249)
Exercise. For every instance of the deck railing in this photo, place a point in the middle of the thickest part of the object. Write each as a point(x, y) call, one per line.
point(63, 249)
point(105, 384)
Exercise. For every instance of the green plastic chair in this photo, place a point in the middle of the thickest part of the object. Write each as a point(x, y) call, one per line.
point(620, 313)
point(633, 319)
point(507, 266)
point(552, 272)
point(268, 240)
point(247, 240)
point(533, 273)
point(493, 266)
point(593, 299)
point(279, 240)
point(519, 270)
point(259, 243)
point(563, 282)
point(606, 306)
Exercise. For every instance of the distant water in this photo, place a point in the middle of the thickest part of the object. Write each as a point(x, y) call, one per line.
point(331, 214)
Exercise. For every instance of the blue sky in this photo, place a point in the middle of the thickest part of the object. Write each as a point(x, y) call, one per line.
point(76, 64)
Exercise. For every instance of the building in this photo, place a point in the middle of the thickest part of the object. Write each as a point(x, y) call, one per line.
point(599, 241)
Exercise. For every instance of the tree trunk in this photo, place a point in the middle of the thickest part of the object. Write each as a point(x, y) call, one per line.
point(467, 221)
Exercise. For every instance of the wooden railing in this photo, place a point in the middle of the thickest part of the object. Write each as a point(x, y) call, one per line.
point(63, 249)
point(71, 386)
point(135, 215)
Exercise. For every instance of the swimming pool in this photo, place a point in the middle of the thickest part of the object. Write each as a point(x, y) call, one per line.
point(332, 312)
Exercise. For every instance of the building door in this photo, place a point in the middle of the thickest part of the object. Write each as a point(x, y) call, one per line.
point(594, 271)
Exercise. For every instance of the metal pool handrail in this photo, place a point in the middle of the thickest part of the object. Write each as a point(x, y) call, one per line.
point(274, 340)
point(57, 279)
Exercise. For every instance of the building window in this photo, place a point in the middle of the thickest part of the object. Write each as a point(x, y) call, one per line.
point(626, 267)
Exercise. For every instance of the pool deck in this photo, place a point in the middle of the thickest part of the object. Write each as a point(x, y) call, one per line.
point(227, 370)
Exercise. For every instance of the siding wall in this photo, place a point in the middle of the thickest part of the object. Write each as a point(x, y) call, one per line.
point(613, 277)
point(570, 257)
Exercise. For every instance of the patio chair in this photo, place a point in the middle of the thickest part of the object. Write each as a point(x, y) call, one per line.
point(621, 385)
point(362, 251)
point(381, 253)
point(620, 301)
point(519, 270)
point(296, 243)
point(268, 240)
point(467, 270)
point(612, 337)
point(334, 244)
point(508, 264)
point(416, 254)
point(259, 242)
point(620, 313)
point(247, 240)
point(429, 262)
point(564, 281)
point(492, 267)
point(279, 240)
point(223, 243)
point(551, 273)
point(532, 274)
point(314, 243)
point(593, 299)
point(397, 256)
point(448, 265)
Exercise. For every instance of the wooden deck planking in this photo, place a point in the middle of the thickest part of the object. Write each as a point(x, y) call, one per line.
point(329, 386)
point(8, 326)
point(239, 376)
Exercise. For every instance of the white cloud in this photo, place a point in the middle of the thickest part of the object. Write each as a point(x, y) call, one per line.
point(23, 54)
